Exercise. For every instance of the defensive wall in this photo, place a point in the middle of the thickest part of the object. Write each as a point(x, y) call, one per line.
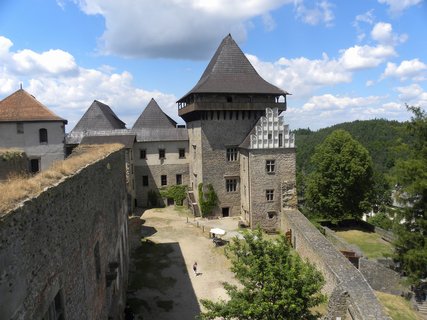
point(350, 295)
point(65, 250)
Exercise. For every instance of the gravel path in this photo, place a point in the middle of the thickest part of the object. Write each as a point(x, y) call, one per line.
point(162, 282)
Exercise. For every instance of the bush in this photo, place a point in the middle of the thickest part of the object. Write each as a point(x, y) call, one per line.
point(207, 201)
point(381, 220)
point(177, 193)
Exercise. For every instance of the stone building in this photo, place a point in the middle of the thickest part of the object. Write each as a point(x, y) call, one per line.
point(27, 124)
point(222, 110)
point(161, 154)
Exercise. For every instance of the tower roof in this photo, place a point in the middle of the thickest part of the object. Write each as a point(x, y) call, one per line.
point(99, 117)
point(229, 71)
point(153, 117)
point(22, 106)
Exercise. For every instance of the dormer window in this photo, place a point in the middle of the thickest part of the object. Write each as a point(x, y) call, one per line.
point(43, 135)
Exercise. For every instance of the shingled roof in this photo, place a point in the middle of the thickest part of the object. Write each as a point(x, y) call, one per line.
point(99, 117)
point(153, 117)
point(229, 71)
point(22, 106)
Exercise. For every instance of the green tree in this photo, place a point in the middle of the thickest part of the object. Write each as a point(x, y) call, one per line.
point(342, 179)
point(410, 178)
point(275, 282)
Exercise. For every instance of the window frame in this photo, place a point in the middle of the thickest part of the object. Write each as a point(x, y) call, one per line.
point(163, 180)
point(178, 178)
point(181, 153)
point(269, 195)
point(231, 185)
point(270, 166)
point(232, 154)
point(20, 128)
point(43, 136)
point(143, 154)
point(162, 153)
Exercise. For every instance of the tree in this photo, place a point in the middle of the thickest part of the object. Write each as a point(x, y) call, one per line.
point(410, 178)
point(341, 182)
point(275, 282)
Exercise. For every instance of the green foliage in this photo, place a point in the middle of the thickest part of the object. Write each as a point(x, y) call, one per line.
point(340, 184)
point(152, 199)
point(410, 177)
point(380, 137)
point(10, 154)
point(207, 200)
point(275, 282)
point(381, 220)
point(175, 192)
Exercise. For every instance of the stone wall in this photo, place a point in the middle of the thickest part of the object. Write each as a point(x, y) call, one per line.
point(344, 283)
point(380, 277)
point(68, 245)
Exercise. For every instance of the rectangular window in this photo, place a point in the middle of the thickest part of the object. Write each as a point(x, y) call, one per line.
point(181, 153)
point(179, 179)
point(145, 181)
point(269, 195)
point(232, 154)
point(280, 140)
point(143, 154)
point(270, 166)
point(231, 185)
point(162, 154)
point(164, 180)
point(19, 127)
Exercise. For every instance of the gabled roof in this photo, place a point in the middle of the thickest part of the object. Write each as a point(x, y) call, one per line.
point(153, 117)
point(229, 71)
point(22, 106)
point(99, 117)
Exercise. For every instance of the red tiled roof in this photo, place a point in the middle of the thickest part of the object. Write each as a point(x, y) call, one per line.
point(22, 106)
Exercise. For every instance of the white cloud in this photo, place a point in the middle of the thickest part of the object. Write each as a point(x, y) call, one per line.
point(398, 6)
point(408, 69)
point(319, 13)
point(363, 57)
point(47, 76)
point(301, 76)
point(413, 94)
point(331, 102)
point(176, 28)
point(367, 18)
point(268, 21)
point(383, 33)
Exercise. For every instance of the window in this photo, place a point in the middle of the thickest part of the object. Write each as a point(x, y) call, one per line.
point(271, 214)
point(270, 166)
point(43, 135)
point(269, 195)
point(179, 179)
point(145, 181)
point(232, 154)
point(280, 140)
point(142, 154)
point(231, 185)
point(269, 136)
point(19, 127)
point(164, 180)
point(181, 153)
point(162, 154)
point(56, 309)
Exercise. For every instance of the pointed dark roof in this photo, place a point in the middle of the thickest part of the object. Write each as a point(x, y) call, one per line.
point(22, 106)
point(229, 71)
point(99, 117)
point(153, 117)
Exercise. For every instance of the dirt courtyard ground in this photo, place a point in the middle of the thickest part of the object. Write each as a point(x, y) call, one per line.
point(162, 282)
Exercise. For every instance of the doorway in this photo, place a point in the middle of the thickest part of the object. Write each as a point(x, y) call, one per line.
point(34, 165)
point(226, 212)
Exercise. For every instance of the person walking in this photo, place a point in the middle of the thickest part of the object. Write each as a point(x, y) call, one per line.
point(195, 268)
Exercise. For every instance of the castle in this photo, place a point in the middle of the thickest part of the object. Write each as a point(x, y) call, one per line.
point(235, 140)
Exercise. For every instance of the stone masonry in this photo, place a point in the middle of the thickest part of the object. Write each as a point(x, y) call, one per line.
point(66, 250)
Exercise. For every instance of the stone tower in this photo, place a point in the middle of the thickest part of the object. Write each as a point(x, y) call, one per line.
point(220, 112)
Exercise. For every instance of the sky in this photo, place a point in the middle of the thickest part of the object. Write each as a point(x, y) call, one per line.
point(341, 60)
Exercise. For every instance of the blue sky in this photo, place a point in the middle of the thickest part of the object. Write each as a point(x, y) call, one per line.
point(341, 60)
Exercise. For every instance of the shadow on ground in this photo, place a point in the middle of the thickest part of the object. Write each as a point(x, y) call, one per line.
point(159, 284)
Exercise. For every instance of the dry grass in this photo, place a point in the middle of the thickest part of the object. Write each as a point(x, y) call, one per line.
point(10, 153)
point(18, 188)
point(397, 307)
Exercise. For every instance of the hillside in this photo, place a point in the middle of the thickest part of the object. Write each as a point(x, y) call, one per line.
point(379, 136)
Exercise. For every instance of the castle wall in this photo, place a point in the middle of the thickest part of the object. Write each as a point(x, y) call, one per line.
point(217, 135)
point(350, 296)
point(153, 167)
point(266, 214)
point(58, 249)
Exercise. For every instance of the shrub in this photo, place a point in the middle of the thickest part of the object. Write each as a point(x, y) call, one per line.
point(207, 201)
point(177, 193)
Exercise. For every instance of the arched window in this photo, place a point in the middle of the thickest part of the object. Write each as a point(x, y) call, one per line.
point(43, 135)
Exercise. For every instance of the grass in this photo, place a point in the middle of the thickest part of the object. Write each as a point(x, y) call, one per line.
point(18, 188)
point(396, 307)
point(370, 243)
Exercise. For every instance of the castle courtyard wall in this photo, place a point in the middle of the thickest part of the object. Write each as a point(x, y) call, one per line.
point(68, 242)
point(350, 296)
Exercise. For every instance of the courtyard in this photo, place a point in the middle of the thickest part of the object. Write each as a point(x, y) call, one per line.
point(165, 244)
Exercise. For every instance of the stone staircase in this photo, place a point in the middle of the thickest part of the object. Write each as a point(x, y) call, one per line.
point(422, 309)
point(192, 203)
